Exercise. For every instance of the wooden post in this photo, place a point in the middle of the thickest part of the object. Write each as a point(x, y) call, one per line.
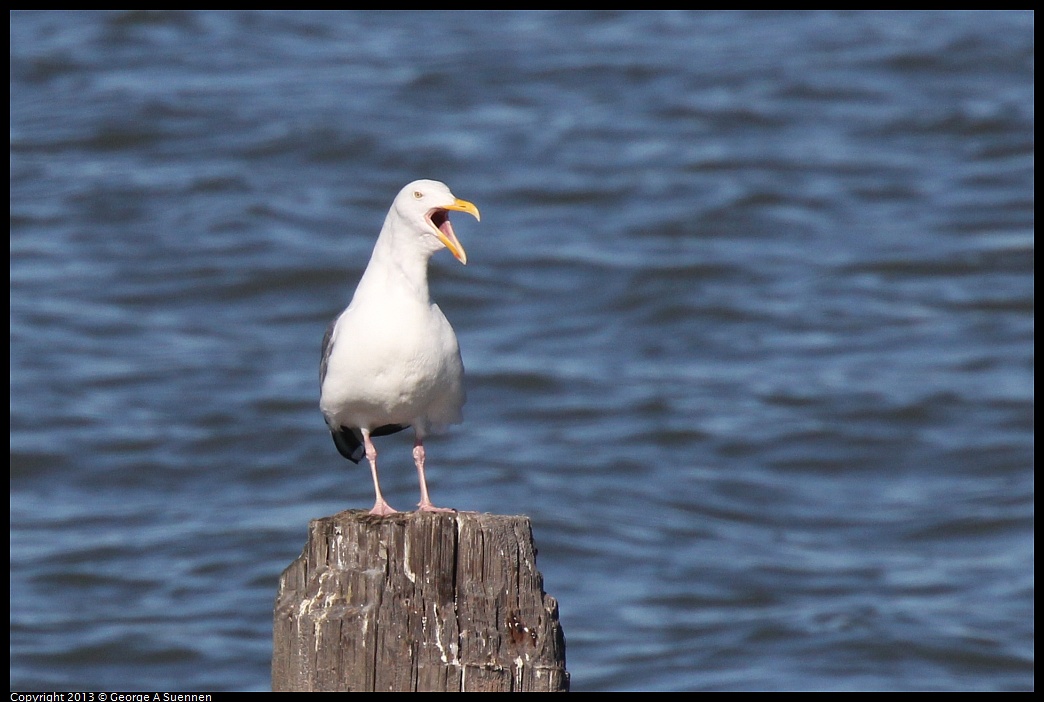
point(448, 602)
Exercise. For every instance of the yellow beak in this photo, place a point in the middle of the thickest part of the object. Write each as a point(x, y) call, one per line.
point(445, 230)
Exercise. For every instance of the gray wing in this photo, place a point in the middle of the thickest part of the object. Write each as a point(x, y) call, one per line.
point(348, 441)
point(327, 348)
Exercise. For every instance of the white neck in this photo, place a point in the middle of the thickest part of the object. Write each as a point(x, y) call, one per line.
point(401, 255)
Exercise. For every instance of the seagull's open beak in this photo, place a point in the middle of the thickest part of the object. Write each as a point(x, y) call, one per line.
point(439, 220)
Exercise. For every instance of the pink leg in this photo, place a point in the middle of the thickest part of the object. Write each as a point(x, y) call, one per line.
point(418, 458)
point(380, 507)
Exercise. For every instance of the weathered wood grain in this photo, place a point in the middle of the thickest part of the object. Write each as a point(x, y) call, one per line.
point(417, 601)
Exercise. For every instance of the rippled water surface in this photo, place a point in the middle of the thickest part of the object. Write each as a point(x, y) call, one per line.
point(748, 326)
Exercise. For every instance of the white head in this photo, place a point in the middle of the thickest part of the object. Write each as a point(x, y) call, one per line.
point(425, 205)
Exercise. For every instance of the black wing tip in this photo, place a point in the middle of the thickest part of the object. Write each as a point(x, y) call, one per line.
point(388, 429)
point(348, 443)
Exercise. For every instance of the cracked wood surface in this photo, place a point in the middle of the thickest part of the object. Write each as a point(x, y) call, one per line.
point(417, 601)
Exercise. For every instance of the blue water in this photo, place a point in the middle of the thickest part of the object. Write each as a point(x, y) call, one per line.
point(748, 327)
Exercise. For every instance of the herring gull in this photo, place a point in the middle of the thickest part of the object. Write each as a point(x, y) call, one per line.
point(391, 360)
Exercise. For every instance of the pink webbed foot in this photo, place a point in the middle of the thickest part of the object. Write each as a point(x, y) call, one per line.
point(383, 509)
point(428, 507)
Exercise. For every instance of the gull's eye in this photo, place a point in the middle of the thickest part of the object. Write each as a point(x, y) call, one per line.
point(418, 194)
